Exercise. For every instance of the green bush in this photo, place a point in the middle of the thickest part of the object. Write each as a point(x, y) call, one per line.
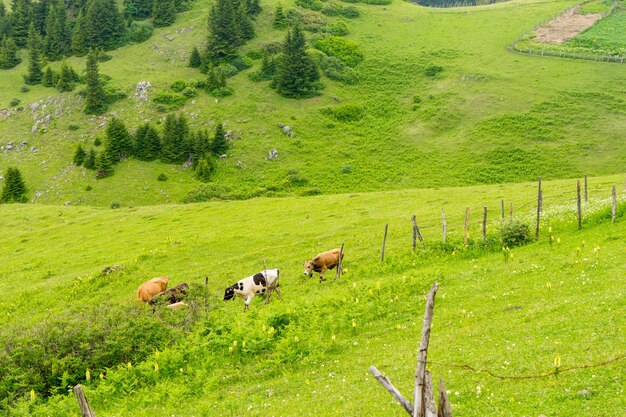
point(310, 4)
point(170, 99)
point(344, 49)
point(190, 92)
point(162, 177)
point(14, 102)
point(433, 70)
point(310, 20)
point(178, 86)
point(139, 32)
point(24, 89)
point(115, 205)
point(311, 191)
point(335, 69)
point(336, 28)
point(515, 233)
point(222, 92)
point(345, 113)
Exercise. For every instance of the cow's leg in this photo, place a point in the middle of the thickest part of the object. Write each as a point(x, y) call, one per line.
point(322, 274)
point(277, 289)
point(247, 303)
point(269, 294)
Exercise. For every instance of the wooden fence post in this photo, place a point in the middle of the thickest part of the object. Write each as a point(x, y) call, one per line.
point(382, 253)
point(416, 233)
point(465, 228)
point(511, 211)
point(484, 222)
point(444, 224)
point(586, 198)
point(538, 209)
point(614, 205)
point(578, 207)
point(85, 410)
point(444, 409)
point(502, 203)
point(339, 266)
point(384, 381)
point(420, 371)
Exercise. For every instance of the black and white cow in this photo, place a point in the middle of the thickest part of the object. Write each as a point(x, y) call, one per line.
point(259, 283)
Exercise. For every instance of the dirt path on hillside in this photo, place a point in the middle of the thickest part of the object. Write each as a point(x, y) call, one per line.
point(566, 26)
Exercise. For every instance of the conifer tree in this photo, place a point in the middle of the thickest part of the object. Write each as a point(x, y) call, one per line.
point(105, 24)
point(174, 145)
point(67, 78)
point(253, 7)
point(90, 160)
point(80, 35)
point(8, 53)
point(297, 74)
point(79, 155)
point(195, 60)
point(118, 143)
point(220, 144)
point(50, 78)
point(34, 74)
point(224, 34)
point(147, 143)
point(244, 21)
point(21, 21)
point(14, 190)
point(163, 13)
point(104, 165)
point(201, 145)
point(139, 9)
point(280, 19)
point(56, 43)
point(205, 168)
point(95, 97)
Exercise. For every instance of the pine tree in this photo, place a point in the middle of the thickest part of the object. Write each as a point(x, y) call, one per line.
point(175, 143)
point(95, 98)
point(50, 78)
point(297, 74)
point(104, 165)
point(163, 13)
point(79, 156)
point(8, 53)
point(56, 43)
point(147, 143)
point(80, 36)
point(21, 21)
point(139, 9)
point(195, 60)
point(34, 74)
point(205, 168)
point(220, 144)
point(67, 78)
point(253, 7)
point(105, 24)
point(118, 143)
point(280, 19)
point(14, 190)
point(201, 145)
point(244, 20)
point(90, 160)
point(224, 34)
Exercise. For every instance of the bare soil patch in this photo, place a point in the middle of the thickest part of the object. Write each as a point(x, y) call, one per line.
point(566, 26)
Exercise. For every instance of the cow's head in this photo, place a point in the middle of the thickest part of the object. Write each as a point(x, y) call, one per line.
point(308, 268)
point(229, 294)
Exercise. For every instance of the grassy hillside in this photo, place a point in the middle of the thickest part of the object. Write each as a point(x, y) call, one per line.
point(308, 353)
point(490, 116)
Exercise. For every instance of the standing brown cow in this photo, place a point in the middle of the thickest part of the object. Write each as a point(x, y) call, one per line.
point(323, 262)
point(149, 289)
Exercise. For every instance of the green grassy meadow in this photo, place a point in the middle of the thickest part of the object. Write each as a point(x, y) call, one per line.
point(308, 353)
point(488, 110)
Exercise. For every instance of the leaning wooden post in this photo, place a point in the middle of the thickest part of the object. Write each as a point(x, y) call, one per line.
point(586, 198)
point(430, 408)
point(339, 266)
point(384, 381)
point(502, 203)
point(538, 209)
point(444, 224)
point(578, 206)
point(382, 253)
point(484, 222)
point(465, 228)
point(614, 205)
point(444, 409)
point(85, 410)
point(420, 371)
point(511, 211)
point(414, 232)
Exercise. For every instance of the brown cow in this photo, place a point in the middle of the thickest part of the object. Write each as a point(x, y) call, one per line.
point(323, 262)
point(149, 289)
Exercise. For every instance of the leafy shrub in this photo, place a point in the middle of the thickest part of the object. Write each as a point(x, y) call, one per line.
point(255, 54)
point(139, 32)
point(336, 28)
point(14, 102)
point(294, 178)
point(433, 70)
point(344, 49)
point(272, 48)
point(169, 99)
point(24, 89)
point(311, 191)
point(222, 92)
point(346, 169)
point(113, 93)
point(97, 141)
point(178, 85)
point(267, 70)
point(310, 4)
point(310, 21)
point(241, 62)
point(162, 177)
point(417, 99)
point(334, 9)
point(88, 188)
point(346, 112)
point(335, 69)
point(115, 205)
point(190, 92)
point(226, 70)
point(515, 233)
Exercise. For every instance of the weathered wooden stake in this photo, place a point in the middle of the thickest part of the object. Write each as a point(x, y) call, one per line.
point(586, 197)
point(85, 410)
point(465, 228)
point(578, 206)
point(339, 265)
point(538, 209)
point(384, 381)
point(382, 253)
point(416, 233)
point(420, 371)
point(445, 225)
point(511, 211)
point(206, 281)
point(502, 203)
point(484, 222)
point(444, 409)
point(430, 408)
point(614, 205)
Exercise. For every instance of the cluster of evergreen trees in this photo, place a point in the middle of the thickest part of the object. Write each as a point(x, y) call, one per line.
point(73, 27)
point(177, 144)
point(14, 190)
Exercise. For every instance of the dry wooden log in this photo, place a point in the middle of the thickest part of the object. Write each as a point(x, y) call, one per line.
point(85, 410)
point(384, 381)
point(420, 372)
point(430, 408)
point(444, 409)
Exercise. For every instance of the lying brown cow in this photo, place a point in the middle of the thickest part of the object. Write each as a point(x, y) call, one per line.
point(172, 296)
point(323, 262)
point(149, 289)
